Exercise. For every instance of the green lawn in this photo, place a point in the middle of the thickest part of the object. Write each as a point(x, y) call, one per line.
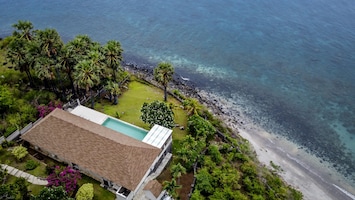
point(128, 109)
point(131, 101)
point(7, 158)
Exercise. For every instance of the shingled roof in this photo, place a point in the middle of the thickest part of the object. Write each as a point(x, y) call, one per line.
point(114, 156)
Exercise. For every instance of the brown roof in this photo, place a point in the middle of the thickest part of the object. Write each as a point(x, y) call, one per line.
point(155, 187)
point(114, 156)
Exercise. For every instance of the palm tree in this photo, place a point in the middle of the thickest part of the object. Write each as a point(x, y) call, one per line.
point(79, 47)
point(163, 74)
point(44, 71)
point(86, 76)
point(114, 90)
point(96, 57)
point(24, 29)
point(66, 62)
point(113, 55)
point(171, 187)
point(17, 54)
point(177, 171)
point(192, 106)
point(49, 42)
point(49, 46)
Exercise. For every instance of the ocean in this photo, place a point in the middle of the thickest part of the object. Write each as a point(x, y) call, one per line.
point(289, 66)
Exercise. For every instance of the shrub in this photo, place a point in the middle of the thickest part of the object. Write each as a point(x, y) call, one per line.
point(157, 113)
point(200, 128)
point(31, 164)
point(67, 177)
point(45, 110)
point(20, 152)
point(7, 144)
point(85, 192)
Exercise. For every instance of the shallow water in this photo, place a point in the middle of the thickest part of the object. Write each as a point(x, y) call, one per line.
point(288, 65)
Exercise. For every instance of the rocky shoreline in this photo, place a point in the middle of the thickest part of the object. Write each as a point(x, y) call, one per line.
point(310, 181)
point(219, 106)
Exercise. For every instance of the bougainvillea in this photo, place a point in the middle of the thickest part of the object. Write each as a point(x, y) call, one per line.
point(66, 177)
point(44, 110)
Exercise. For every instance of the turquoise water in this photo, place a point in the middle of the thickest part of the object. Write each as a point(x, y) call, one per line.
point(127, 129)
point(287, 65)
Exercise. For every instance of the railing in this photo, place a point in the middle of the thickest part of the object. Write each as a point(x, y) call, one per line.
point(17, 133)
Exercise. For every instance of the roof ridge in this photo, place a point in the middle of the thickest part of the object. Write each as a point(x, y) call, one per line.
point(114, 136)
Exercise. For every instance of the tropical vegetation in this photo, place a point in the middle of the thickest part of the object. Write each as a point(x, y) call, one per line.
point(163, 74)
point(40, 72)
point(157, 113)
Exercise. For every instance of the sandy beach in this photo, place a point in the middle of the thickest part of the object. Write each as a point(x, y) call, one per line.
point(307, 173)
point(295, 172)
point(303, 171)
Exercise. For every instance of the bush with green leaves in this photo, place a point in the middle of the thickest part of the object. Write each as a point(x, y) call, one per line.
point(19, 152)
point(85, 192)
point(52, 193)
point(159, 113)
point(31, 164)
point(6, 144)
point(200, 128)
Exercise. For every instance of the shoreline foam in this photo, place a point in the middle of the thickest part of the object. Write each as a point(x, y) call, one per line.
point(300, 169)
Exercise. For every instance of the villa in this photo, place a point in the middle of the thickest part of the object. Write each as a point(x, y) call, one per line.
point(123, 157)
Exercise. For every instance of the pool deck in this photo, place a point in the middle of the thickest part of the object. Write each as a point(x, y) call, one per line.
point(89, 114)
point(157, 136)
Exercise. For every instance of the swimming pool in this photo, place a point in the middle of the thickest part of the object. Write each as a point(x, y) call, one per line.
point(125, 128)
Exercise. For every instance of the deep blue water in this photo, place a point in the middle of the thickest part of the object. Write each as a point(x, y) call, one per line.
point(289, 64)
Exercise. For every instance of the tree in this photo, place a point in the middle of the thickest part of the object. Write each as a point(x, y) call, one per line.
point(49, 42)
point(200, 128)
point(52, 193)
point(72, 53)
point(157, 113)
point(163, 74)
point(24, 30)
point(6, 99)
point(3, 175)
point(8, 191)
point(80, 47)
point(113, 56)
point(86, 76)
point(177, 170)
point(19, 48)
point(67, 177)
point(44, 70)
point(114, 90)
point(20, 152)
point(215, 154)
point(196, 195)
point(85, 192)
point(171, 187)
point(18, 54)
point(192, 106)
point(21, 185)
point(191, 151)
point(204, 182)
point(66, 63)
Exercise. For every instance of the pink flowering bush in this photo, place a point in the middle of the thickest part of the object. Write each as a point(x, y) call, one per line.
point(66, 177)
point(44, 110)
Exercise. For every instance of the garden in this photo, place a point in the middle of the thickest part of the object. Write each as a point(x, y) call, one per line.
point(38, 72)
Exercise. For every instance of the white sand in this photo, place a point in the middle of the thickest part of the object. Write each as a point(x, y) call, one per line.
point(315, 179)
point(295, 172)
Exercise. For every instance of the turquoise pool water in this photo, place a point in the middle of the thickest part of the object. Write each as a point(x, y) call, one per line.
point(125, 128)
